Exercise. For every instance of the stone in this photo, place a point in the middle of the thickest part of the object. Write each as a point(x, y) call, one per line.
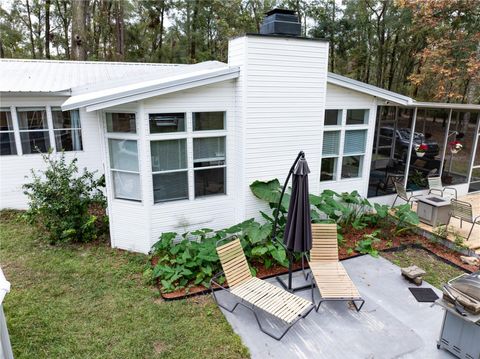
point(473, 261)
point(412, 272)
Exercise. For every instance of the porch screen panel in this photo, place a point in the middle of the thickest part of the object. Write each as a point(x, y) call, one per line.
point(7, 135)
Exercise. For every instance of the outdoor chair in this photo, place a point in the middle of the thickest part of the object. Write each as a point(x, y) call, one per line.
point(435, 185)
point(463, 211)
point(403, 194)
point(329, 275)
point(256, 294)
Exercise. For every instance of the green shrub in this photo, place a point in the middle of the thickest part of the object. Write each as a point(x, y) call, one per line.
point(60, 200)
point(191, 259)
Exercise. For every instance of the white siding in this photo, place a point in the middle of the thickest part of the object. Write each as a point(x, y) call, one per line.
point(14, 169)
point(217, 211)
point(281, 100)
point(136, 226)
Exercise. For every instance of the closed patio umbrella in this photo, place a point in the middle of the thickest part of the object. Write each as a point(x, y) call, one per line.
point(298, 232)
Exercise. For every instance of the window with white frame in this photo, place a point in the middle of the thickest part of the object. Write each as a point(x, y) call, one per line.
point(67, 130)
point(209, 164)
point(7, 134)
point(172, 172)
point(33, 127)
point(123, 153)
point(169, 170)
point(344, 143)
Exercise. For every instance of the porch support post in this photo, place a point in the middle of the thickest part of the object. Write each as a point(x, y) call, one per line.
point(445, 142)
point(410, 146)
point(395, 126)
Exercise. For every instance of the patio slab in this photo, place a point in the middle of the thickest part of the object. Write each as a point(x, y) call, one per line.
point(454, 226)
point(392, 324)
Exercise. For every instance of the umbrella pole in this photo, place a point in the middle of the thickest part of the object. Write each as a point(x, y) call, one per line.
point(288, 286)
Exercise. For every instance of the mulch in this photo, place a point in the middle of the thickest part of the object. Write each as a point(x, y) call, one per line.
point(350, 240)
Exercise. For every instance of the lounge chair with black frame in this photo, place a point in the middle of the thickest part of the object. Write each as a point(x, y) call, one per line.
point(329, 275)
point(463, 211)
point(254, 293)
point(403, 194)
point(435, 185)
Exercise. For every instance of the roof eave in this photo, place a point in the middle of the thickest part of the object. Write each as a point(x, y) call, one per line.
point(378, 92)
point(99, 103)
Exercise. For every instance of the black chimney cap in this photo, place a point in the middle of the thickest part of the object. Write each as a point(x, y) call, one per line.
point(281, 22)
point(280, 11)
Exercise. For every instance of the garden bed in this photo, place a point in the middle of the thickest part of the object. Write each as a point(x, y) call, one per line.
point(397, 244)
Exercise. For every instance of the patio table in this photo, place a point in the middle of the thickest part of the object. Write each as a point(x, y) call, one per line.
point(433, 210)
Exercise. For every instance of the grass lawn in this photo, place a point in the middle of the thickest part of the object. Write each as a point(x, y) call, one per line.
point(90, 301)
point(438, 272)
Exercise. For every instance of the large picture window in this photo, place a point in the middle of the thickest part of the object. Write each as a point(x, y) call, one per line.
point(7, 134)
point(169, 170)
point(343, 149)
point(34, 136)
point(67, 130)
point(181, 153)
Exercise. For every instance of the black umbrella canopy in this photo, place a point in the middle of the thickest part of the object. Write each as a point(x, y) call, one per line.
point(298, 230)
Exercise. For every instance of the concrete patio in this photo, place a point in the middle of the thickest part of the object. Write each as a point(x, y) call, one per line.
point(392, 324)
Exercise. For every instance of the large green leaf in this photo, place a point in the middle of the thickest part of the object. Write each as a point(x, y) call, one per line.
point(270, 192)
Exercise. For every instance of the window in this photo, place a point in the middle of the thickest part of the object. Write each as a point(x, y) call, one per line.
point(204, 121)
point(172, 167)
point(33, 126)
point(169, 170)
point(124, 169)
point(352, 166)
point(167, 122)
point(330, 152)
point(343, 149)
point(329, 169)
point(67, 130)
point(7, 135)
point(357, 117)
point(333, 117)
point(121, 122)
point(209, 165)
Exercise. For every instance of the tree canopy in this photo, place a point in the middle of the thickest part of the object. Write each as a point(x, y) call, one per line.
point(427, 49)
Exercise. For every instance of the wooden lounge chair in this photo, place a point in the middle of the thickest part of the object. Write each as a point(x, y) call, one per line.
point(329, 275)
point(435, 185)
point(254, 293)
point(464, 212)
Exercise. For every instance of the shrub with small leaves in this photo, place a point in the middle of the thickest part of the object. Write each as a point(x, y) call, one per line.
point(60, 199)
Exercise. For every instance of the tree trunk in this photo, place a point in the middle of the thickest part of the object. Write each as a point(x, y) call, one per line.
point(79, 30)
point(193, 32)
point(160, 40)
point(47, 29)
point(119, 31)
point(30, 29)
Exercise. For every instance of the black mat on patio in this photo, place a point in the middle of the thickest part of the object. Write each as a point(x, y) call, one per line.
point(424, 294)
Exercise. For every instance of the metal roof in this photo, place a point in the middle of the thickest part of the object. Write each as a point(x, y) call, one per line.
point(137, 89)
point(369, 89)
point(47, 76)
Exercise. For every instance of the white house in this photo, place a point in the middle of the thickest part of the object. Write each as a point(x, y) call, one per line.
point(180, 144)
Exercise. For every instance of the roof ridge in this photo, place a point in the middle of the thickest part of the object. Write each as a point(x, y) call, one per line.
point(94, 62)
